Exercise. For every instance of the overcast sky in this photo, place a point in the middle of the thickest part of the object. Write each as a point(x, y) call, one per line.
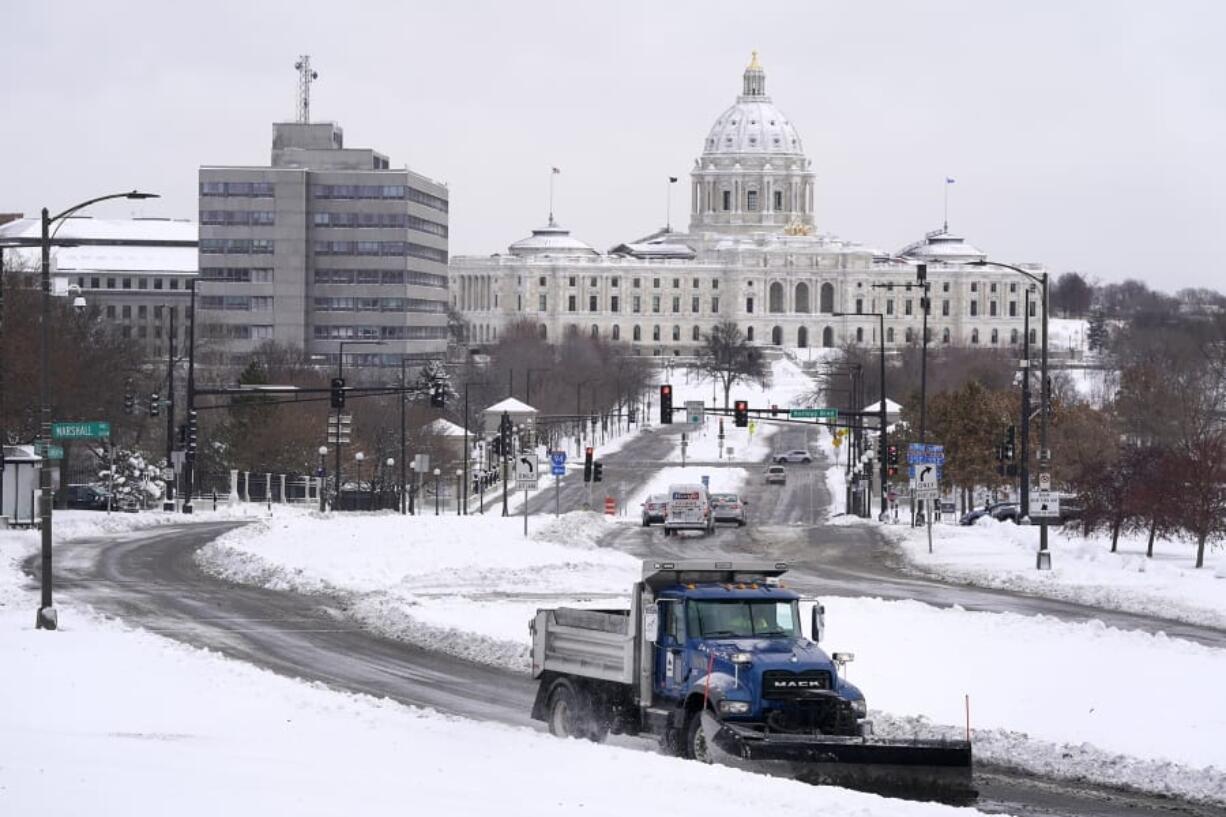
point(1088, 136)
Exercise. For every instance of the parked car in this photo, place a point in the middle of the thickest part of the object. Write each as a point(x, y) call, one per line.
point(795, 455)
point(86, 498)
point(972, 516)
point(776, 475)
point(728, 508)
point(654, 509)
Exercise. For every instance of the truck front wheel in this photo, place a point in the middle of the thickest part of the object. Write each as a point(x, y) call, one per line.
point(695, 740)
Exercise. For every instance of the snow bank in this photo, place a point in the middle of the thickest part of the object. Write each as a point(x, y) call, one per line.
point(1001, 555)
point(137, 722)
point(462, 585)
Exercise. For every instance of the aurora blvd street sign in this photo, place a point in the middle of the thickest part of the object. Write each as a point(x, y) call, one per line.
point(813, 414)
point(92, 430)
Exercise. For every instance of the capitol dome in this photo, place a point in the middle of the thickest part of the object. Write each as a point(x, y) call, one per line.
point(551, 239)
point(942, 245)
point(753, 124)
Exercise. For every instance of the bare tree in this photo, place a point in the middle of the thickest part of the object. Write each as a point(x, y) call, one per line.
point(728, 358)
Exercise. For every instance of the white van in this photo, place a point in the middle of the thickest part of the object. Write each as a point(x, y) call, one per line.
point(688, 509)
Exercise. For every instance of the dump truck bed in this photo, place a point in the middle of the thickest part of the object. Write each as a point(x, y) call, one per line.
point(597, 644)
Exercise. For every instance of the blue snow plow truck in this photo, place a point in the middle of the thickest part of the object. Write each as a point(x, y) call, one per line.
point(711, 659)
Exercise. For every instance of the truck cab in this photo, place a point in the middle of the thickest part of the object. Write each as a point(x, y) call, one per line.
point(740, 650)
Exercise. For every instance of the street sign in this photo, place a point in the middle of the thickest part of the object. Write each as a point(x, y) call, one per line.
point(92, 430)
point(177, 458)
point(168, 473)
point(527, 469)
point(557, 462)
point(50, 452)
point(912, 467)
point(694, 412)
point(926, 485)
point(1044, 482)
point(1045, 505)
point(421, 463)
point(813, 414)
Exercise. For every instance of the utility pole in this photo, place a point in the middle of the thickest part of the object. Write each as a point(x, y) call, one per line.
point(403, 465)
point(1025, 468)
point(170, 411)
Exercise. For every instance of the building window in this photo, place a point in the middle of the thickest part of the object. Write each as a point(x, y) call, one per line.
point(1032, 306)
point(142, 312)
point(571, 281)
point(93, 283)
point(1032, 337)
point(655, 333)
point(751, 201)
point(595, 331)
point(1013, 335)
point(974, 286)
point(992, 287)
point(614, 304)
point(889, 307)
point(127, 312)
point(638, 304)
point(541, 281)
point(696, 334)
point(974, 308)
point(907, 307)
point(127, 283)
point(676, 334)
point(992, 308)
point(749, 304)
point(727, 200)
point(995, 337)
point(1012, 309)
point(157, 312)
point(715, 306)
point(694, 305)
point(110, 312)
point(638, 333)
point(655, 303)
point(676, 283)
point(110, 283)
point(617, 332)
point(945, 286)
point(945, 308)
point(591, 303)
point(975, 336)
point(614, 281)
point(637, 283)
point(945, 335)
point(542, 302)
point(749, 333)
point(571, 306)
point(676, 304)
point(859, 334)
point(859, 306)
point(593, 282)
point(778, 199)
point(889, 335)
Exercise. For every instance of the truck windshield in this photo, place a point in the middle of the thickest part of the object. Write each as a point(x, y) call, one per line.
point(744, 619)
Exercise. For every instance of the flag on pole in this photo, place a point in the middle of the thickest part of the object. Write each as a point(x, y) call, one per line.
point(556, 172)
point(672, 179)
point(947, 179)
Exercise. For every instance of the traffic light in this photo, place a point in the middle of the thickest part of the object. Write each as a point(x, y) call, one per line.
point(666, 404)
point(438, 396)
point(191, 431)
point(740, 411)
point(891, 455)
point(182, 434)
point(129, 399)
point(496, 446)
point(597, 472)
point(338, 392)
point(1011, 444)
point(587, 464)
point(155, 404)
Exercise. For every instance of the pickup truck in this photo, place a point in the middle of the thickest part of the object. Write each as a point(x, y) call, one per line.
point(711, 660)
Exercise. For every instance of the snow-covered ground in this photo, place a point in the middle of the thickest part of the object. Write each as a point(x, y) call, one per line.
point(120, 721)
point(996, 554)
point(1045, 695)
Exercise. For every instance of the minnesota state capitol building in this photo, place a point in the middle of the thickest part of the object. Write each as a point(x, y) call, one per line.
point(752, 253)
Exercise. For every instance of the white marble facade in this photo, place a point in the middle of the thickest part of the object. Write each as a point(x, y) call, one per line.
point(751, 253)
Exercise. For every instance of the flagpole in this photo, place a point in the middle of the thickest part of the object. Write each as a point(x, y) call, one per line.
point(668, 208)
point(946, 187)
point(553, 171)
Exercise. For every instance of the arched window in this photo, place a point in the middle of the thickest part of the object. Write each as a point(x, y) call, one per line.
point(617, 332)
point(775, 298)
point(859, 334)
point(1013, 337)
point(655, 333)
point(907, 335)
point(749, 334)
point(676, 334)
point(889, 335)
point(595, 331)
point(828, 336)
point(572, 330)
point(777, 336)
point(975, 336)
point(945, 335)
point(638, 333)
point(995, 336)
point(1032, 337)
point(696, 334)
point(827, 297)
point(802, 336)
point(802, 297)
point(543, 331)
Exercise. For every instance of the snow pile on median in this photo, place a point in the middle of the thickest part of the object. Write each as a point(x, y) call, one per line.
point(462, 585)
point(134, 722)
point(1002, 555)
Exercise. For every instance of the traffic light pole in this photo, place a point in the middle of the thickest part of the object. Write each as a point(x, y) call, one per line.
point(1025, 469)
point(170, 412)
point(189, 461)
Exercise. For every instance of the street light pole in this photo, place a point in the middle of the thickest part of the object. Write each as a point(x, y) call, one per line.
point(403, 458)
point(881, 413)
point(47, 618)
point(1043, 558)
point(323, 453)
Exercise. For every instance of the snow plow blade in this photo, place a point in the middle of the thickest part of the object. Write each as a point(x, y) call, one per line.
point(911, 768)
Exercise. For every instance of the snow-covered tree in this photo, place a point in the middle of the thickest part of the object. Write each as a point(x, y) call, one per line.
point(433, 374)
point(1096, 332)
point(137, 482)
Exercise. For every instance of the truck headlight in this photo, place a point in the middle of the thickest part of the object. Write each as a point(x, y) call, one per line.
point(733, 707)
point(741, 658)
point(860, 707)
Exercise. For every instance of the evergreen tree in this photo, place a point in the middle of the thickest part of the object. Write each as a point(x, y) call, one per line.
point(432, 375)
point(1096, 332)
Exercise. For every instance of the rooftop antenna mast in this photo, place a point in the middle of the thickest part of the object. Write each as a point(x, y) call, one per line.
point(305, 77)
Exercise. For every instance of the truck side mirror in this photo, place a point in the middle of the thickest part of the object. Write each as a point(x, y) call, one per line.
point(818, 623)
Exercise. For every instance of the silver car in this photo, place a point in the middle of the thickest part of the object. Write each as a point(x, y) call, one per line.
point(728, 508)
point(777, 475)
point(654, 509)
point(795, 455)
